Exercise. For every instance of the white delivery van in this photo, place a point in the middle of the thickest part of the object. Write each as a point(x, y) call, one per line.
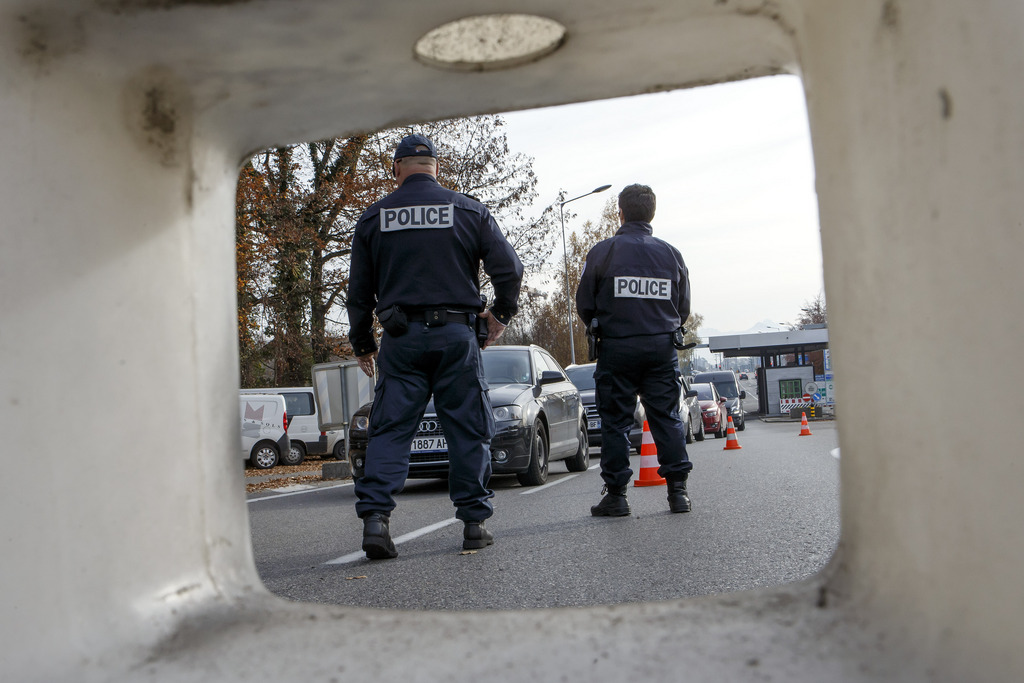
point(264, 429)
point(303, 425)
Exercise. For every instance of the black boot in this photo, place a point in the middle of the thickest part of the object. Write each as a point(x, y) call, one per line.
point(678, 500)
point(614, 504)
point(476, 536)
point(377, 541)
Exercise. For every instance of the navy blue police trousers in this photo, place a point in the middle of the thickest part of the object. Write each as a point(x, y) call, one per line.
point(646, 366)
point(443, 361)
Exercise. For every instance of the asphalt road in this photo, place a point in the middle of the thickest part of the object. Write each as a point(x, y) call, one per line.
point(763, 515)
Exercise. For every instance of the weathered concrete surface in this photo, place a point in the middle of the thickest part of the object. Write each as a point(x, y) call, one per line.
point(339, 469)
point(123, 126)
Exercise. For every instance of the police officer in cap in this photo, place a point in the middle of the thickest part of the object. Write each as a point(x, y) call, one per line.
point(415, 262)
point(637, 288)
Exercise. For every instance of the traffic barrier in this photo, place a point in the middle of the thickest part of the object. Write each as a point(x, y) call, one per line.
point(731, 442)
point(648, 461)
point(805, 430)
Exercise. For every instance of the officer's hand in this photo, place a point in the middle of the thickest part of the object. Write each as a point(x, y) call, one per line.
point(366, 363)
point(494, 328)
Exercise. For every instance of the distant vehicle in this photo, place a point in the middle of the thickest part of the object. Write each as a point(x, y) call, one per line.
point(743, 375)
point(729, 388)
point(538, 418)
point(264, 429)
point(712, 407)
point(582, 376)
point(303, 425)
point(335, 445)
point(689, 411)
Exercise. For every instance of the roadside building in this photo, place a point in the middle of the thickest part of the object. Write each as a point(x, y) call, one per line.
point(795, 370)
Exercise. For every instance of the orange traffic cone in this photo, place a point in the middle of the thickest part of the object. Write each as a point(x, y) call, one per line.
point(731, 443)
point(804, 429)
point(648, 461)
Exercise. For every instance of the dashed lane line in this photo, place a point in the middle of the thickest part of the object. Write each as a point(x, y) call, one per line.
point(360, 555)
point(555, 483)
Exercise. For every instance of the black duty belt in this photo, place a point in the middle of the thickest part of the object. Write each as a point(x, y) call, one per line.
point(435, 317)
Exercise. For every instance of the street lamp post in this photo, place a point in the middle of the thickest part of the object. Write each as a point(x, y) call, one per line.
point(565, 259)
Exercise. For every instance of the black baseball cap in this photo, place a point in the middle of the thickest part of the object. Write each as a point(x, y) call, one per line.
point(407, 147)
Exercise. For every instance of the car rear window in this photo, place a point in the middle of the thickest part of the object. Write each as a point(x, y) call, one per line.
point(704, 392)
point(724, 382)
point(298, 404)
point(727, 389)
point(583, 378)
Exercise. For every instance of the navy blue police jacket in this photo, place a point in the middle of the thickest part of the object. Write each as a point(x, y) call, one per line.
point(634, 284)
point(421, 247)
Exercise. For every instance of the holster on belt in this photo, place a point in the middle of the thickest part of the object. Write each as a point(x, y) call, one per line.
point(678, 339)
point(394, 321)
point(592, 340)
point(480, 327)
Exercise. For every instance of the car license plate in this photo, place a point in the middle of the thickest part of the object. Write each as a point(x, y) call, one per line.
point(593, 424)
point(426, 444)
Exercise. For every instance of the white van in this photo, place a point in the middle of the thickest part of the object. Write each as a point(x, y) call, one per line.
point(303, 425)
point(264, 429)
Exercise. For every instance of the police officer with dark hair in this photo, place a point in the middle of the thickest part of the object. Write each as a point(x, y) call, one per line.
point(637, 288)
point(415, 262)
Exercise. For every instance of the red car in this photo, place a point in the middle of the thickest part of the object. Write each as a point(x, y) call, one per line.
point(712, 409)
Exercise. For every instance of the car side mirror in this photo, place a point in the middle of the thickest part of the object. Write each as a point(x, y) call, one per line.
point(743, 394)
point(691, 393)
point(550, 377)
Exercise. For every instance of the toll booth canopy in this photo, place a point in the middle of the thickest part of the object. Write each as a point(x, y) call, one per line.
point(787, 378)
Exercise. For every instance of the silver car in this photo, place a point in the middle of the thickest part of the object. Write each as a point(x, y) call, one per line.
point(689, 411)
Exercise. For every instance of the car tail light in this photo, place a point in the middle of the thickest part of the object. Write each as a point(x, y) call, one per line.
point(284, 416)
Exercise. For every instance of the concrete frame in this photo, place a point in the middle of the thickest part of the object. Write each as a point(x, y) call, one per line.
point(124, 123)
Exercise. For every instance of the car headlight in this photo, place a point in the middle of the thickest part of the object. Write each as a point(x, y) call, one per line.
point(507, 413)
point(360, 423)
point(736, 410)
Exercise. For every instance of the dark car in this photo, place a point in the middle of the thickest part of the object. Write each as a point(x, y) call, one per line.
point(538, 417)
point(712, 408)
point(583, 377)
point(729, 389)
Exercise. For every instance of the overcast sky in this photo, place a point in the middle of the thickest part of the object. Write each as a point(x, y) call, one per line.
point(732, 170)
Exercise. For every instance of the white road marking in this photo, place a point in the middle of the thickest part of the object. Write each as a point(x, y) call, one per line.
point(360, 555)
point(553, 483)
point(352, 557)
point(547, 485)
point(295, 493)
point(835, 453)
